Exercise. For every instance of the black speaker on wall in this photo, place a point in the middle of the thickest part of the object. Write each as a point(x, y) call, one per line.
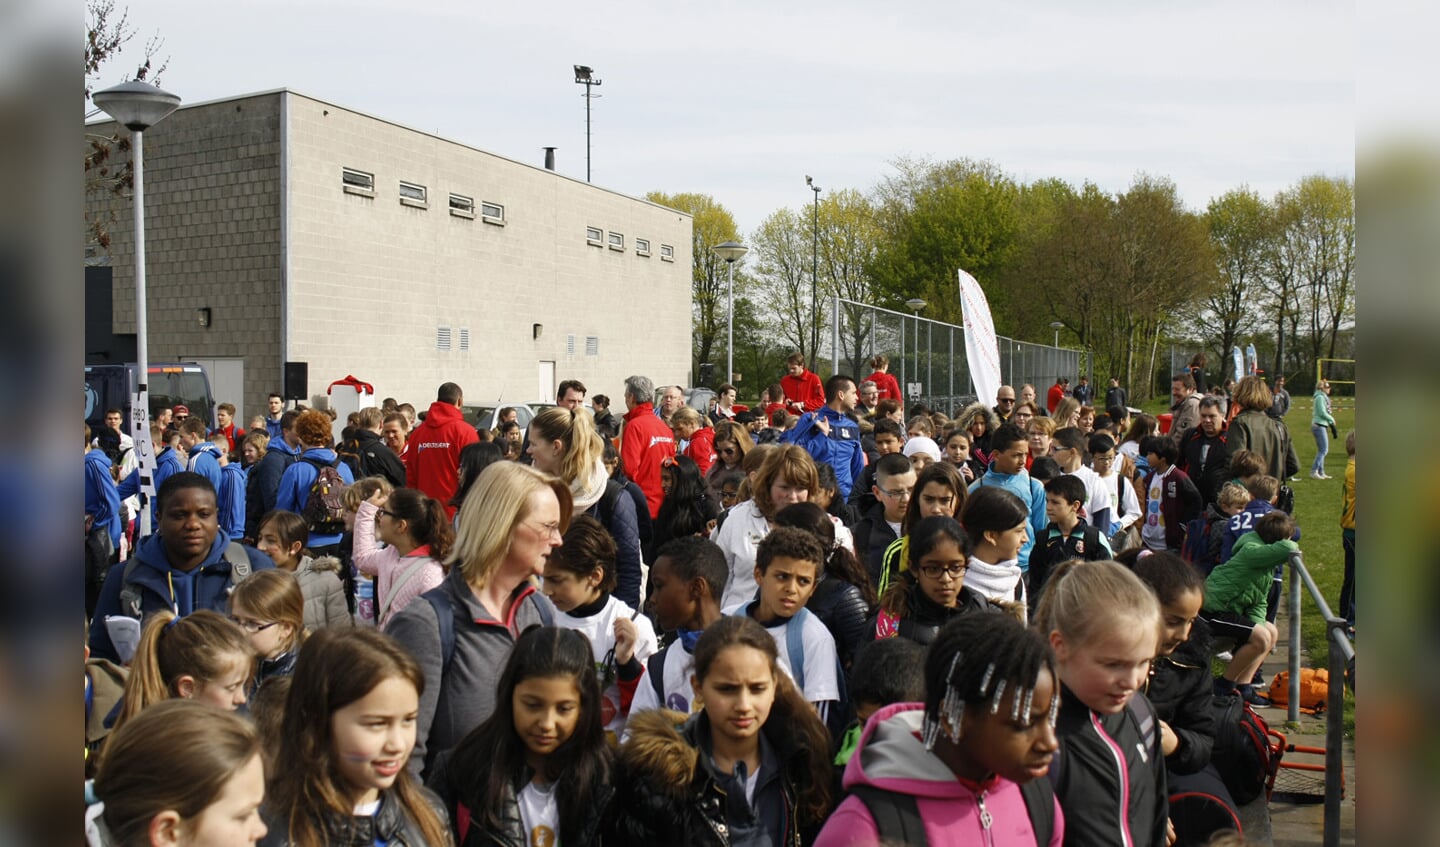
point(297, 380)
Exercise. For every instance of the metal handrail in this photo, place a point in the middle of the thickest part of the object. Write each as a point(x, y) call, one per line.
point(1342, 652)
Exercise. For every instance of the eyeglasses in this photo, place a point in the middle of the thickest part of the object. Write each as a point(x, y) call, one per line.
point(727, 451)
point(547, 529)
point(954, 571)
point(387, 513)
point(898, 494)
point(1006, 400)
point(1102, 460)
point(253, 627)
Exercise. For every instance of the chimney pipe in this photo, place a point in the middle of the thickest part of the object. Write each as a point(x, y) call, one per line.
point(549, 158)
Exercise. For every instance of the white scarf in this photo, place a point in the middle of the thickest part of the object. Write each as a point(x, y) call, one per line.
point(587, 491)
point(995, 581)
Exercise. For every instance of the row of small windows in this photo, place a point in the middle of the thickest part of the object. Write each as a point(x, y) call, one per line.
point(444, 335)
point(417, 196)
point(597, 237)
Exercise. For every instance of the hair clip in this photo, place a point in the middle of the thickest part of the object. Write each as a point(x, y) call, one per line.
point(999, 695)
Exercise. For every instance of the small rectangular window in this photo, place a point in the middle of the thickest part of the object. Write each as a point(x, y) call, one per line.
point(462, 206)
point(357, 182)
point(464, 338)
point(492, 213)
point(413, 194)
point(595, 236)
point(617, 241)
point(667, 253)
point(442, 338)
point(642, 246)
point(570, 344)
point(592, 345)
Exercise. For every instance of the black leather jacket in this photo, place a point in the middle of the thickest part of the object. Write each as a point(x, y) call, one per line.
point(390, 825)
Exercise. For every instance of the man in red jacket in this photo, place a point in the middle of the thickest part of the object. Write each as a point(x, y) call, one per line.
point(803, 391)
point(435, 445)
point(645, 441)
point(1056, 393)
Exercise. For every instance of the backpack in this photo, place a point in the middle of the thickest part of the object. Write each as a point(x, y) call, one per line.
point(348, 451)
point(130, 592)
point(439, 600)
point(1195, 549)
point(836, 719)
point(324, 509)
point(1314, 689)
point(897, 816)
point(1243, 753)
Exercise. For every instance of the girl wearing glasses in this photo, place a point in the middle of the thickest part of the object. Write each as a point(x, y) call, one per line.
point(270, 607)
point(417, 538)
point(931, 589)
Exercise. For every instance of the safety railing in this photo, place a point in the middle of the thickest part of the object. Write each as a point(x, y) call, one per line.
point(1342, 653)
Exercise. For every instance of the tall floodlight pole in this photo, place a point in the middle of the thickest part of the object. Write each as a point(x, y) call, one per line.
point(583, 76)
point(138, 106)
point(814, 273)
point(730, 251)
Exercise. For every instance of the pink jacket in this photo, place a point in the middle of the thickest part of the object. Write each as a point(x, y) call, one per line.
point(891, 756)
point(387, 565)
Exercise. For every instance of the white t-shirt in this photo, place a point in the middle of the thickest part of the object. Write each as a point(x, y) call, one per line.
point(600, 629)
point(1098, 494)
point(1119, 487)
point(739, 537)
point(1153, 533)
point(818, 648)
point(540, 815)
point(675, 679)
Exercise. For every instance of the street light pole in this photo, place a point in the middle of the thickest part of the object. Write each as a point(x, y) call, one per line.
point(583, 77)
point(915, 304)
point(1056, 325)
point(814, 273)
point(730, 251)
point(138, 106)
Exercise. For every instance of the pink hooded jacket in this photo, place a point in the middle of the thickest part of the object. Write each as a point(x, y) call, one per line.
point(892, 757)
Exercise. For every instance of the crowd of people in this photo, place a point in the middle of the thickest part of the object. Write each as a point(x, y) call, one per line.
point(829, 620)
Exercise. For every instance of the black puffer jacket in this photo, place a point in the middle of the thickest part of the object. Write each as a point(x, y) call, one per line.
point(923, 617)
point(668, 792)
point(512, 830)
point(1180, 689)
point(842, 608)
point(390, 825)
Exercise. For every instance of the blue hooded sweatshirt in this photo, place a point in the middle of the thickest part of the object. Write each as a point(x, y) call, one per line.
point(1031, 493)
point(166, 464)
point(101, 497)
point(295, 488)
point(840, 450)
point(164, 587)
point(204, 460)
point(232, 501)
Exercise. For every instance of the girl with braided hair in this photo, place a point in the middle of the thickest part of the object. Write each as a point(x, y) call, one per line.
point(968, 765)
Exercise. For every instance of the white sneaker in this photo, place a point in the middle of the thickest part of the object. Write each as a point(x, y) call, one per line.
point(1225, 656)
point(1315, 475)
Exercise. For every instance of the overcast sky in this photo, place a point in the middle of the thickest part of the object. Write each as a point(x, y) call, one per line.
point(741, 100)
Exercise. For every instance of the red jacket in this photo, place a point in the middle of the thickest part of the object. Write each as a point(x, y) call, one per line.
point(702, 449)
point(804, 389)
point(888, 385)
point(433, 466)
point(1054, 396)
point(234, 433)
point(645, 442)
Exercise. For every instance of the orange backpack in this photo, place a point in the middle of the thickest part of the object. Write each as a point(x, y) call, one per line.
point(1314, 689)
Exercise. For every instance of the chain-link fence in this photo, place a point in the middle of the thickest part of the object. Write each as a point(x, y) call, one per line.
point(928, 358)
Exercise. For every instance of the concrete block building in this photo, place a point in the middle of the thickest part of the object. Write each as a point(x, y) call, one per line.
point(282, 228)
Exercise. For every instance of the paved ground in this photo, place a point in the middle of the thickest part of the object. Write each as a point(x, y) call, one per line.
point(1290, 824)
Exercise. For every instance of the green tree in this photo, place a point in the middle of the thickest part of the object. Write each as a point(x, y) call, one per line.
point(783, 256)
point(1242, 226)
point(712, 224)
point(937, 218)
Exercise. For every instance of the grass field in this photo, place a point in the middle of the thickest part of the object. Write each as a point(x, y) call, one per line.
point(1317, 510)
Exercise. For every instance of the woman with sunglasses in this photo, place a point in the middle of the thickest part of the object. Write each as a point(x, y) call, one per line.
point(931, 590)
point(732, 441)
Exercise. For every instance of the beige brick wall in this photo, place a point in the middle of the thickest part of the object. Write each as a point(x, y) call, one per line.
point(369, 279)
point(372, 279)
point(213, 236)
